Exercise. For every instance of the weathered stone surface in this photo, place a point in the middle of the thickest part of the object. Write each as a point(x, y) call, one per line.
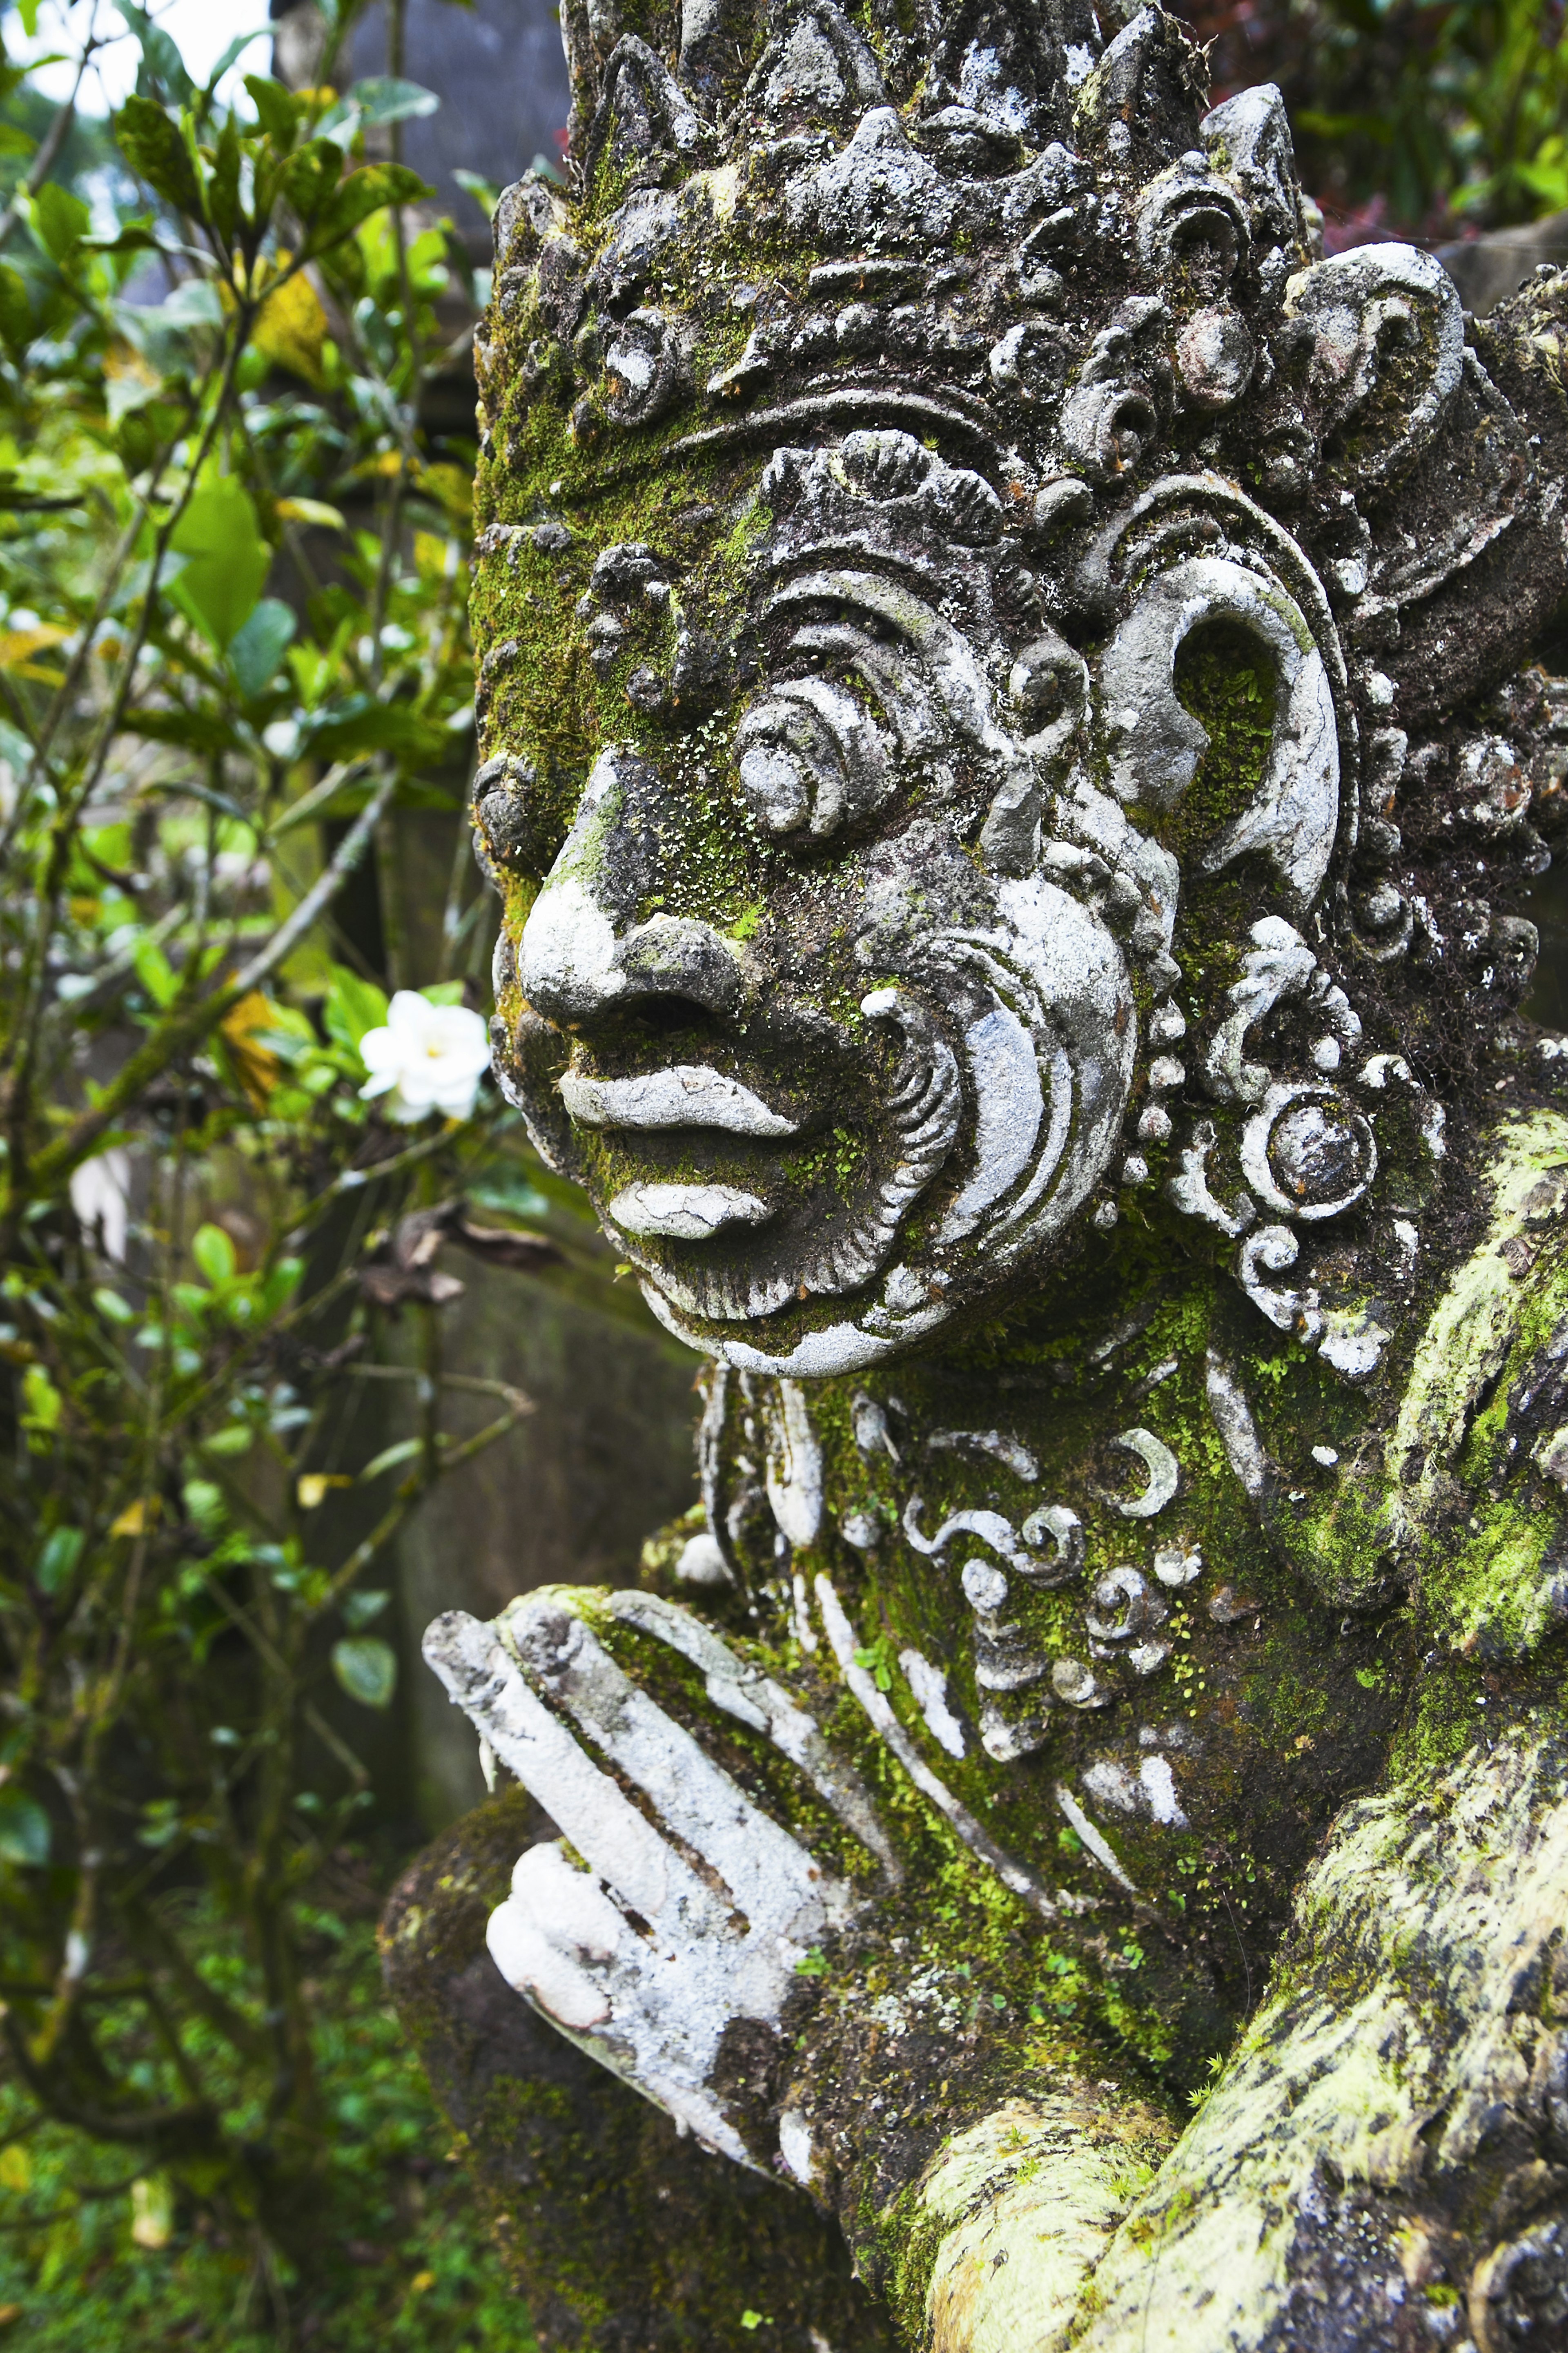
point(1014, 754)
point(624, 2236)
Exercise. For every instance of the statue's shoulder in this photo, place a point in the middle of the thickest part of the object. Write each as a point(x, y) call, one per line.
point(1478, 1456)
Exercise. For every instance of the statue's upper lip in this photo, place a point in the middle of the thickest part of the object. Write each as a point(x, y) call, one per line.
point(686, 1095)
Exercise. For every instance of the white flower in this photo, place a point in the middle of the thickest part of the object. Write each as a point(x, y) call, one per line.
point(428, 1058)
point(100, 1195)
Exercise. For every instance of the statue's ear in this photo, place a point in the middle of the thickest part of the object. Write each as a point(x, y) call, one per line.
point(1211, 626)
point(1387, 347)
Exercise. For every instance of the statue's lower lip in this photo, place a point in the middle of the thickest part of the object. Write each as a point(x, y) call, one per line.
point(685, 1096)
point(688, 1213)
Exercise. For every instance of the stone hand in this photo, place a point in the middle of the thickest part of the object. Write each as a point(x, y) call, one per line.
point(671, 1938)
point(682, 1914)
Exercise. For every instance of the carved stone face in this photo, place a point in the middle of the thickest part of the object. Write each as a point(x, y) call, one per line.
point(839, 989)
point(865, 816)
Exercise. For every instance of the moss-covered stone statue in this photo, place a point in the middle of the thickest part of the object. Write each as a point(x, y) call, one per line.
point(1017, 727)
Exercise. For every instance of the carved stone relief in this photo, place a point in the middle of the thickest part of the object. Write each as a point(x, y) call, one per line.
point(1017, 738)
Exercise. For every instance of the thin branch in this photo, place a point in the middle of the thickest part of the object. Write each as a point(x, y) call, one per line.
point(321, 894)
point(56, 1162)
point(412, 1491)
point(54, 140)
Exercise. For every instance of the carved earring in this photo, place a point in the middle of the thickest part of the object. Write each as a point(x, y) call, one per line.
point(1308, 1133)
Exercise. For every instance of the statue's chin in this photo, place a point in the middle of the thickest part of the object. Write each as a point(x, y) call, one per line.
point(816, 1253)
point(785, 1344)
point(839, 1330)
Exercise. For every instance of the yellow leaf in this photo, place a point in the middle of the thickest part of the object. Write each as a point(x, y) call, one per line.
point(314, 1486)
point(153, 2212)
point(17, 647)
point(124, 363)
point(8, 2313)
point(15, 2171)
point(389, 462)
point(256, 1068)
point(315, 510)
point(291, 327)
point(421, 2282)
point(451, 486)
point(137, 1518)
point(434, 557)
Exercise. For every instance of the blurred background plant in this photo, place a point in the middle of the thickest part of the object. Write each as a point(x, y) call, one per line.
point(243, 1135)
point(234, 663)
point(1432, 117)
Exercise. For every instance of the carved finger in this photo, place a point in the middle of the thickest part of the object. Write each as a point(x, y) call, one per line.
point(552, 1935)
point(771, 1879)
point(598, 1819)
point(753, 1698)
point(653, 1965)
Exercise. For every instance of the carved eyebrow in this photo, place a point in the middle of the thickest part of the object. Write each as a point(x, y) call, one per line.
point(873, 592)
point(956, 674)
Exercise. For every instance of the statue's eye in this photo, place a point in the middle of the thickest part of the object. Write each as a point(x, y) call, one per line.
point(811, 758)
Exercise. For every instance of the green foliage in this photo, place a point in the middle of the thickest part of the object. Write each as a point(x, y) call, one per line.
point(101, 2251)
point(234, 648)
point(1424, 114)
point(226, 561)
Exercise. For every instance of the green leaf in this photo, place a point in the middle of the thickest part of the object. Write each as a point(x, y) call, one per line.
point(126, 393)
point(113, 1308)
point(222, 197)
point(360, 1609)
point(155, 151)
point(307, 179)
point(28, 12)
point(16, 312)
point(214, 1253)
point(359, 723)
point(485, 193)
point(235, 1438)
point(58, 1561)
point(44, 1402)
point(161, 60)
point(353, 1006)
point(155, 973)
point(236, 48)
point(25, 1835)
point(257, 649)
point(384, 99)
point(197, 731)
point(391, 1456)
point(228, 559)
point(282, 1285)
point(365, 192)
point(366, 1668)
point(193, 304)
point(204, 1502)
point(278, 110)
point(60, 220)
point(135, 239)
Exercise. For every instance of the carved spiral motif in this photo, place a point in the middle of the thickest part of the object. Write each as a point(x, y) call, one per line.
point(1308, 1154)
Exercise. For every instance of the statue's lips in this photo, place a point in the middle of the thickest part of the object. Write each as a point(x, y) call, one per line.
point(686, 1096)
point(685, 1213)
point(689, 1095)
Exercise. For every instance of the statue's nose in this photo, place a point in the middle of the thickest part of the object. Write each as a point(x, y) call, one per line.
point(583, 949)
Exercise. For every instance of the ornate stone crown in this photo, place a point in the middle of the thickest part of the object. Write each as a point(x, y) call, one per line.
point(1032, 249)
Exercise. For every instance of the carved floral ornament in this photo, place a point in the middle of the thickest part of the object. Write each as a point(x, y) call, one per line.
point(1007, 747)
